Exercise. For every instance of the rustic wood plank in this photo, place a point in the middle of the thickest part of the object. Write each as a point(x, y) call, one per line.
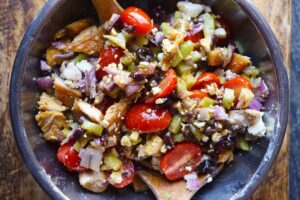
point(17, 183)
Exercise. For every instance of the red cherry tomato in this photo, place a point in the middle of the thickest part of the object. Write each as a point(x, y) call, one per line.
point(176, 163)
point(237, 84)
point(206, 78)
point(194, 38)
point(224, 24)
point(136, 17)
point(128, 173)
point(69, 157)
point(167, 85)
point(108, 56)
point(147, 118)
point(197, 94)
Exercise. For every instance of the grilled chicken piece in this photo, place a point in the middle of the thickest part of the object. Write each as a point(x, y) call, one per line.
point(52, 123)
point(88, 110)
point(90, 41)
point(52, 58)
point(65, 94)
point(114, 116)
point(139, 185)
point(93, 181)
point(48, 103)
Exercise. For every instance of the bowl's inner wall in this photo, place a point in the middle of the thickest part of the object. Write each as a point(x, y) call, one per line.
point(232, 179)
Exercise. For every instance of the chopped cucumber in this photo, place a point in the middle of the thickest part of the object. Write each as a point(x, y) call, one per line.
point(166, 28)
point(196, 132)
point(186, 48)
point(141, 40)
point(178, 59)
point(132, 67)
point(209, 25)
point(178, 138)
point(118, 40)
point(82, 142)
point(184, 68)
point(242, 144)
point(175, 124)
point(93, 128)
point(189, 79)
point(181, 86)
point(114, 93)
point(228, 98)
point(196, 56)
point(246, 96)
point(112, 161)
point(207, 102)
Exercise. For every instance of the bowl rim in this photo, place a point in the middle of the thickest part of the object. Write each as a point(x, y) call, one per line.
point(54, 192)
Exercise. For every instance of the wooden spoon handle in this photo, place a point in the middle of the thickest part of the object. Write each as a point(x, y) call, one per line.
point(105, 8)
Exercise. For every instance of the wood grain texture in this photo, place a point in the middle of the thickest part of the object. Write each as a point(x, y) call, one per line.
point(17, 183)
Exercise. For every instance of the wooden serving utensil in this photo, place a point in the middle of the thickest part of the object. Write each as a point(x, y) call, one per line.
point(166, 190)
point(105, 8)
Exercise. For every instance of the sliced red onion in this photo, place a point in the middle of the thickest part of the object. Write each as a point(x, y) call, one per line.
point(91, 158)
point(44, 67)
point(263, 89)
point(157, 38)
point(255, 105)
point(192, 182)
point(64, 56)
point(131, 89)
point(90, 83)
point(219, 113)
point(229, 55)
point(58, 45)
point(120, 78)
point(196, 29)
point(44, 83)
point(110, 24)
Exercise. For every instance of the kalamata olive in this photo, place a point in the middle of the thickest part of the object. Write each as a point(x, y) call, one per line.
point(209, 131)
point(226, 143)
point(137, 76)
point(158, 14)
point(145, 54)
point(207, 167)
point(168, 141)
point(78, 133)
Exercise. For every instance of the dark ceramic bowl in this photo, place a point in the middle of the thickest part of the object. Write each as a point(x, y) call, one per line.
point(237, 181)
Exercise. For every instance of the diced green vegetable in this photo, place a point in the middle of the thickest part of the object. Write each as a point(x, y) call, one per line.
point(135, 138)
point(206, 102)
point(189, 79)
point(92, 128)
point(242, 144)
point(196, 56)
point(118, 40)
point(178, 15)
point(181, 86)
point(251, 71)
point(206, 43)
point(132, 67)
point(114, 93)
point(65, 132)
point(141, 40)
point(196, 132)
point(82, 142)
point(178, 138)
point(184, 68)
point(166, 28)
point(175, 124)
point(209, 25)
point(112, 161)
point(178, 59)
point(228, 98)
point(186, 48)
point(79, 58)
point(247, 96)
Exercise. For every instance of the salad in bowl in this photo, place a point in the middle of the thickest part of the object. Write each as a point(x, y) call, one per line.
point(169, 93)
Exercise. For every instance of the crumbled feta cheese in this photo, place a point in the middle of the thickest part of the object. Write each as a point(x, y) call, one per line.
point(115, 178)
point(71, 72)
point(155, 90)
point(153, 146)
point(190, 9)
point(209, 179)
point(212, 89)
point(163, 149)
point(159, 101)
point(188, 168)
point(84, 66)
point(258, 129)
point(220, 32)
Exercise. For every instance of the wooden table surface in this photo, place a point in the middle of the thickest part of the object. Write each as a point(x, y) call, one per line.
point(17, 183)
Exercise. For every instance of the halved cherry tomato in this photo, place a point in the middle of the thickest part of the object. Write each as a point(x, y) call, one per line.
point(147, 118)
point(237, 84)
point(181, 160)
point(198, 94)
point(69, 157)
point(194, 38)
point(224, 24)
point(167, 85)
point(108, 56)
point(127, 172)
point(206, 78)
point(137, 18)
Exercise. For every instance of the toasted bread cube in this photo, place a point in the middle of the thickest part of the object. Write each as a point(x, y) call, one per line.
point(238, 63)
